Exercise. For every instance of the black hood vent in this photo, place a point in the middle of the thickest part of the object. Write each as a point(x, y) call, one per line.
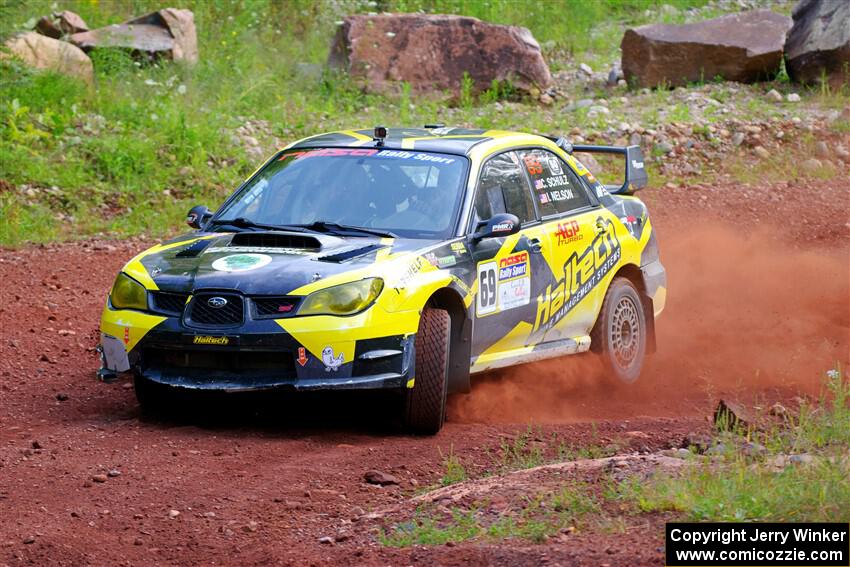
point(275, 240)
point(194, 249)
point(350, 253)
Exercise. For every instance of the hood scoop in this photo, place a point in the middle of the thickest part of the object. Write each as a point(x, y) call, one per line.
point(275, 240)
point(344, 255)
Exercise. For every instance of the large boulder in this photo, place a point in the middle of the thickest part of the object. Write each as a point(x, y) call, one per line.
point(819, 43)
point(433, 52)
point(42, 52)
point(60, 24)
point(168, 33)
point(744, 47)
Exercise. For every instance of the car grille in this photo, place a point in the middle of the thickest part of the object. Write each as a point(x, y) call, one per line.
point(169, 303)
point(201, 313)
point(235, 361)
point(273, 307)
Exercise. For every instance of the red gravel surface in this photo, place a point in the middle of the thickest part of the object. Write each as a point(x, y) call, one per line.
point(759, 306)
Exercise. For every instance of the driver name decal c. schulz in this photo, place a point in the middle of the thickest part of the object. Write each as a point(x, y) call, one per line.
point(582, 272)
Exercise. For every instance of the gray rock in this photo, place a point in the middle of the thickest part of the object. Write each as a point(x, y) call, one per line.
point(664, 147)
point(60, 24)
point(168, 33)
point(583, 103)
point(634, 139)
point(761, 152)
point(326, 540)
point(819, 42)
point(744, 47)
point(737, 138)
point(793, 97)
point(774, 95)
point(802, 459)
point(379, 478)
point(811, 165)
point(822, 150)
point(586, 69)
point(42, 52)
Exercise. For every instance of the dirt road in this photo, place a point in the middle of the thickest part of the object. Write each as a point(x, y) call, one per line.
point(759, 306)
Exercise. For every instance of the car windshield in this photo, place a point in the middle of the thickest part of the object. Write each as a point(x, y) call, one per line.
point(409, 193)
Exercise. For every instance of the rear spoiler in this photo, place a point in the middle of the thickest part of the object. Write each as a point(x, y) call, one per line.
point(635, 167)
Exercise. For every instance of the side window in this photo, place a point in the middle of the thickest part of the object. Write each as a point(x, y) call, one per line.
point(556, 187)
point(502, 188)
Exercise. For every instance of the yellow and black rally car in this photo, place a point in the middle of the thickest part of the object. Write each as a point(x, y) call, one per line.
point(405, 259)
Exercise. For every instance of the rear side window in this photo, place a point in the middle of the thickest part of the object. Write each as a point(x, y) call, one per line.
point(556, 187)
point(503, 188)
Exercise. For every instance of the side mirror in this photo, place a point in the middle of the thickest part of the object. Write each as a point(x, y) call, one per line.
point(197, 216)
point(503, 224)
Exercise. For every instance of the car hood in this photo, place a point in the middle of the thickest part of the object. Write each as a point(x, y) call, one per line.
point(264, 263)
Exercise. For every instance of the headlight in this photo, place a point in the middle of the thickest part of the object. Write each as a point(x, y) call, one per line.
point(345, 299)
point(127, 293)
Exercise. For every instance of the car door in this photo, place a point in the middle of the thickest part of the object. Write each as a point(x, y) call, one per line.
point(508, 268)
point(583, 244)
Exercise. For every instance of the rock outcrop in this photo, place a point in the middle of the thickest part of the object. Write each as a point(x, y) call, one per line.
point(168, 33)
point(744, 47)
point(819, 43)
point(434, 52)
point(42, 52)
point(60, 24)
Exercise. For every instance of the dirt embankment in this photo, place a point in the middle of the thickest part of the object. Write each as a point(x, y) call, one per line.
point(758, 305)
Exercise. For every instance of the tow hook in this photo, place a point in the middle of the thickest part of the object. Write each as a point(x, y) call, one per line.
point(104, 374)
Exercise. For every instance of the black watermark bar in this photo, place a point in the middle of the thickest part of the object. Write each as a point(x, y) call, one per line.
point(758, 544)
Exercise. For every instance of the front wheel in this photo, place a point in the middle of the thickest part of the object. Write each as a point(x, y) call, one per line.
point(620, 333)
point(425, 407)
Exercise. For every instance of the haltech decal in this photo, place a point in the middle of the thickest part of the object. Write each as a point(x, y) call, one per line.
point(582, 272)
point(209, 340)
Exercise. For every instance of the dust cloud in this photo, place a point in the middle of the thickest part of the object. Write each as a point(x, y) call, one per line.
point(749, 316)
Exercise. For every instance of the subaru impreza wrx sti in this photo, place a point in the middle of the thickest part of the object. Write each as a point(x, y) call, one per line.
point(403, 259)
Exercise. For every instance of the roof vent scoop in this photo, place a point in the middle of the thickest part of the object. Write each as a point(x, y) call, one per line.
point(283, 240)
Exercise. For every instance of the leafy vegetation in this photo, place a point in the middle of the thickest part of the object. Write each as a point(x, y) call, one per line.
point(744, 487)
point(132, 154)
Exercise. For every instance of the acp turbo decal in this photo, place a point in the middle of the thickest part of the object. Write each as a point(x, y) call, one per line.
point(582, 272)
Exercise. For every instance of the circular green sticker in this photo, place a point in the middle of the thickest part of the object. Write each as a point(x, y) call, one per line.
point(241, 262)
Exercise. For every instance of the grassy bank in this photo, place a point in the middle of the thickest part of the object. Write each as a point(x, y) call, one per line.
point(131, 155)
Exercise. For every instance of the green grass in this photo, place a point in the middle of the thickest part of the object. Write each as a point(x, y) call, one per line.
point(539, 517)
point(133, 154)
point(454, 470)
point(745, 488)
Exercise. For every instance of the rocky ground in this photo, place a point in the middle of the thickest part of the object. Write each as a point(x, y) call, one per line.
point(757, 310)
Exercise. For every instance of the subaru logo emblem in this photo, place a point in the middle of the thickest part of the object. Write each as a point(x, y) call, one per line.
point(216, 302)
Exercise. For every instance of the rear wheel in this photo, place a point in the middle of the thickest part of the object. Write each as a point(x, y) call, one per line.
point(425, 409)
point(620, 334)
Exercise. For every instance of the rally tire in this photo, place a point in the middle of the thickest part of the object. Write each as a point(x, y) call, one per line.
point(426, 401)
point(620, 334)
point(153, 398)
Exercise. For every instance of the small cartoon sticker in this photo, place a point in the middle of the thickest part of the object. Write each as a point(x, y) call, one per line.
point(331, 362)
point(241, 262)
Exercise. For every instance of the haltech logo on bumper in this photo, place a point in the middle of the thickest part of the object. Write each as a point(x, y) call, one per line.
point(582, 272)
point(209, 340)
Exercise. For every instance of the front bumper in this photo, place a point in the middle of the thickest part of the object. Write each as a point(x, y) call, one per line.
point(259, 356)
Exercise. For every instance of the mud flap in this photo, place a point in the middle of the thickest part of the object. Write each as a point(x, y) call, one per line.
point(113, 355)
